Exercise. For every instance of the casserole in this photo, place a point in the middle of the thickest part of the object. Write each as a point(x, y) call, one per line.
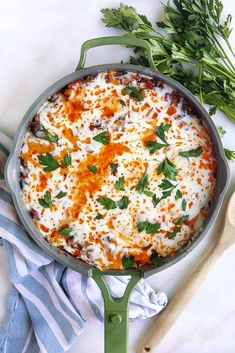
point(116, 309)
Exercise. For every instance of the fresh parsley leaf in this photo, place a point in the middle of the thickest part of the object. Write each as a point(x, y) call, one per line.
point(67, 161)
point(160, 131)
point(134, 93)
point(123, 203)
point(155, 259)
point(128, 261)
point(102, 137)
point(119, 184)
point(61, 195)
point(230, 154)
point(155, 200)
point(184, 205)
point(166, 184)
point(178, 194)
point(221, 131)
point(192, 153)
point(49, 162)
point(46, 201)
point(142, 183)
point(154, 146)
point(113, 167)
point(99, 216)
point(52, 138)
point(107, 203)
point(182, 220)
point(148, 193)
point(150, 228)
point(168, 169)
point(172, 234)
point(122, 102)
point(65, 231)
point(92, 169)
point(40, 131)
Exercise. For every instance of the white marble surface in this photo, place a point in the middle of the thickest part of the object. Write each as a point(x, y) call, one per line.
point(40, 42)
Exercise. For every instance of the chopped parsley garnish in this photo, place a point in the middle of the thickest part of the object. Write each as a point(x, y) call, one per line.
point(150, 228)
point(61, 195)
point(192, 153)
point(172, 234)
point(221, 131)
point(107, 203)
point(46, 201)
point(166, 184)
point(102, 137)
point(65, 231)
point(182, 220)
point(92, 169)
point(178, 194)
point(67, 161)
point(134, 93)
point(99, 216)
point(46, 135)
point(128, 261)
point(155, 200)
point(160, 131)
point(154, 146)
point(123, 203)
point(168, 187)
point(122, 102)
point(113, 167)
point(148, 193)
point(168, 169)
point(142, 183)
point(49, 162)
point(230, 154)
point(119, 185)
point(155, 259)
point(184, 205)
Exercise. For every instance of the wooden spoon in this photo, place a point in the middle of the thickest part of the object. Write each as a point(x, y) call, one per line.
point(185, 294)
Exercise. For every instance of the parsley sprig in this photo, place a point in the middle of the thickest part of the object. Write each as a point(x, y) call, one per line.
point(142, 183)
point(134, 93)
point(49, 162)
point(46, 201)
point(154, 146)
point(192, 153)
point(102, 137)
point(168, 187)
point(150, 228)
point(168, 169)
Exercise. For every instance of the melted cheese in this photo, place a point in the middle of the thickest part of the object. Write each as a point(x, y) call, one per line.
point(86, 108)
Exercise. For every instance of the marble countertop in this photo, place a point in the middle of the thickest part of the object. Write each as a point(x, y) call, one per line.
point(40, 44)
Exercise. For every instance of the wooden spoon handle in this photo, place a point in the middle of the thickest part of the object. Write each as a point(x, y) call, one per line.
point(183, 296)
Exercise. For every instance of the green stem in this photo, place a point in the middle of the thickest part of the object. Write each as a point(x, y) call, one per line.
point(200, 81)
point(215, 68)
point(223, 51)
point(230, 48)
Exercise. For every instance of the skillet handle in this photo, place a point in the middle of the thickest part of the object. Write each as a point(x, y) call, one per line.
point(115, 313)
point(127, 40)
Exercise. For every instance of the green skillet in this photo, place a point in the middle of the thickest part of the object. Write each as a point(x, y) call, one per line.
point(116, 309)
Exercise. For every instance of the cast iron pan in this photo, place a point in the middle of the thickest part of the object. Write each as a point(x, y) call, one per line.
point(116, 310)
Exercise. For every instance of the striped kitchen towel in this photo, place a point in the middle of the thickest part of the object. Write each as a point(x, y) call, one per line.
point(48, 304)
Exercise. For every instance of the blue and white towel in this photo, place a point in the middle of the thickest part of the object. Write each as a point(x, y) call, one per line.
point(48, 304)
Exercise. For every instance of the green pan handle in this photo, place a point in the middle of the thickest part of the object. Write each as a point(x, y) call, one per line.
point(116, 314)
point(127, 40)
